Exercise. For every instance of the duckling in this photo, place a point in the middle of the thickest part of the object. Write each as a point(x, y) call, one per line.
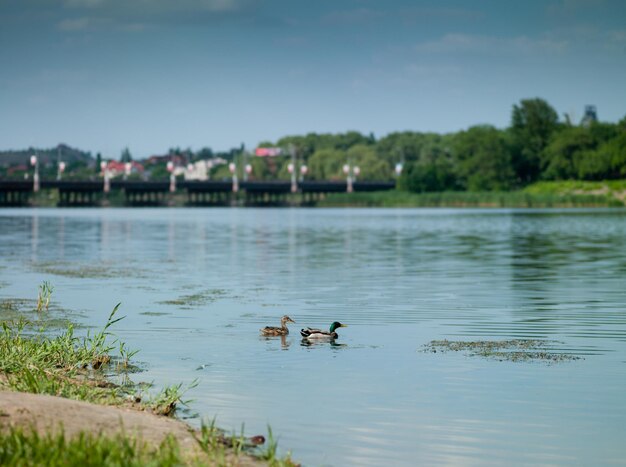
point(278, 331)
point(310, 333)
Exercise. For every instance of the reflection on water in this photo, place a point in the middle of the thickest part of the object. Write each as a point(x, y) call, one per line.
point(196, 285)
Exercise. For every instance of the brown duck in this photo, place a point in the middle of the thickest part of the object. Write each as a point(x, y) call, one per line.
point(278, 331)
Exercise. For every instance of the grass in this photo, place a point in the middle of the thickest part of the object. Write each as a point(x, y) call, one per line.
point(26, 447)
point(44, 296)
point(75, 367)
point(20, 447)
point(64, 365)
point(529, 198)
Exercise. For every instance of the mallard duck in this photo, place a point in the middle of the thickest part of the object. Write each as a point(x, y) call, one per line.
point(278, 331)
point(310, 333)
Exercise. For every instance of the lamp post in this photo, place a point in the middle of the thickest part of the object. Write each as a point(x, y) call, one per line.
point(34, 161)
point(352, 172)
point(292, 168)
point(105, 174)
point(60, 170)
point(303, 170)
point(347, 171)
point(233, 170)
point(170, 169)
point(398, 169)
point(247, 172)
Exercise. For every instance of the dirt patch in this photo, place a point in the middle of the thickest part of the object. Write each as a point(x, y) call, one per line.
point(516, 350)
point(52, 414)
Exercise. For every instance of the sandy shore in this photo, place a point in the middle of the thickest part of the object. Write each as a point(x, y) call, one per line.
point(49, 414)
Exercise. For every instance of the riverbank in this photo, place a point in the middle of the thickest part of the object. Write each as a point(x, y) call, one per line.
point(58, 404)
point(566, 194)
point(539, 195)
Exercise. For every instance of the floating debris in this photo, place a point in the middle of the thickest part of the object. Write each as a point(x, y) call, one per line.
point(515, 350)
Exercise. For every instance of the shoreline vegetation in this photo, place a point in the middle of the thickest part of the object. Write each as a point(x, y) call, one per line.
point(60, 406)
point(563, 194)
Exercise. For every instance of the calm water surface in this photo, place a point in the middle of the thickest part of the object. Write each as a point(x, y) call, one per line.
point(197, 284)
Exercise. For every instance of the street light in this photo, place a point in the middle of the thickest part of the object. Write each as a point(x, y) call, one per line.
point(347, 170)
point(60, 170)
point(105, 174)
point(303, 170)
point(233, 170)
point(398, 169)
point(35, 163)
point(170, 169)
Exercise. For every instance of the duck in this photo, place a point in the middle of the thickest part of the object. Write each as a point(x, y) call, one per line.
point(311, 333)
point(278, 331)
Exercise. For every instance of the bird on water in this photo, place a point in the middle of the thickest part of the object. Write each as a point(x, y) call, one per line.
point(278, 331)
point(311, 333)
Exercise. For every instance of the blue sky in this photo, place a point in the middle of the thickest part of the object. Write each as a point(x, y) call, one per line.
point(152, 74)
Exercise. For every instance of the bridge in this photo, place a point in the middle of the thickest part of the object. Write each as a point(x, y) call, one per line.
point(199, 193)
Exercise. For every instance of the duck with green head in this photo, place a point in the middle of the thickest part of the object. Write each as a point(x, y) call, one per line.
point(278, 331)
point(310, 333)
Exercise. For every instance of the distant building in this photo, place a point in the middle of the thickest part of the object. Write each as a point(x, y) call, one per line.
point(591, 115)
point(116, 168)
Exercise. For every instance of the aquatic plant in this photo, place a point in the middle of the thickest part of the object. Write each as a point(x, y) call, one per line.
point(44, 295)
point(514, 350)
point(167, 400)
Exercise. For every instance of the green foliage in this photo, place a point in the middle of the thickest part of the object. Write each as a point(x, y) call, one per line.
point(532, 124)
point(63, 365)
point(536, 146)
point(436, 174)
point(527, 198)
point(372, 167)
point(327, 164)
point(126, 156)
point(20, 447)
point(166, 401)
point(483, 159)
point(44, 296)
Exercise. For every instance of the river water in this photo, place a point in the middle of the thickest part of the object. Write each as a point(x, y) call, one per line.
point(197, 284)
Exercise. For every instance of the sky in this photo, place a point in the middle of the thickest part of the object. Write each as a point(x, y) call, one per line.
point(102, 75)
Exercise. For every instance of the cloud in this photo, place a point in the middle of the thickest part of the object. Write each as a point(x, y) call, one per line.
point(574, 6)
point(617, 36)
point(73, 24)
point(360, 15)
point(139, 15)
point(83, 3)
point(156, 6)
point(490, 45)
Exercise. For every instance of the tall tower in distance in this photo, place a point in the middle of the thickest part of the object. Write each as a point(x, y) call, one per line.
point(591, 116)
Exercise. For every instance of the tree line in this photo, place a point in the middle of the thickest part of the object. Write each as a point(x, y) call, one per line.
point(537, 145)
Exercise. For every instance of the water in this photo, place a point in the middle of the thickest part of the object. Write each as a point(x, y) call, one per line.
point(197, 284)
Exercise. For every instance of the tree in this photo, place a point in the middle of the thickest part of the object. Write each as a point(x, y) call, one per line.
point(483, 159)
point(126, 156)
point(372, 167)
point(327, 164)
point(574, 153)
point(427, 176)
point(532, 125)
